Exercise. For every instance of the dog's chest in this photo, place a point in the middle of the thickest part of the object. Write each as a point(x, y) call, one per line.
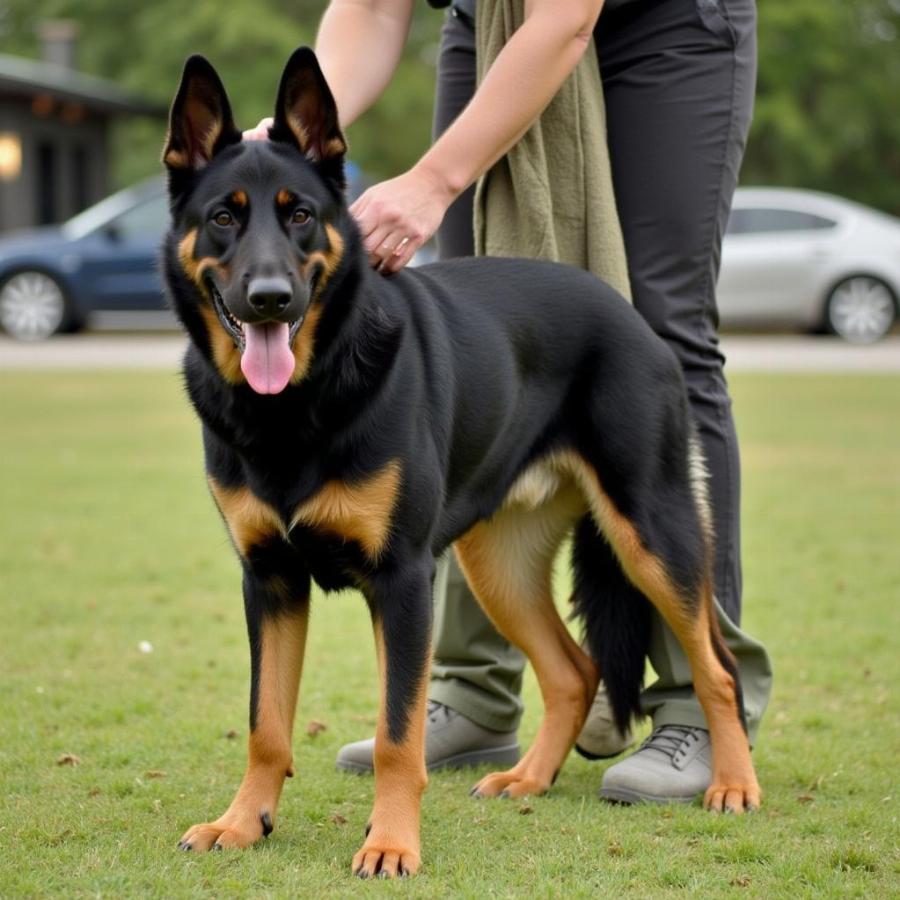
point(338, 512)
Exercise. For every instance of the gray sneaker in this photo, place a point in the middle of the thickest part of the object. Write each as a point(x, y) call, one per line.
point(452, 741)
point(600, 738)
point(671, 766)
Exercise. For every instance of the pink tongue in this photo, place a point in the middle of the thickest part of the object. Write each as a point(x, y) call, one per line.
point(267, 361)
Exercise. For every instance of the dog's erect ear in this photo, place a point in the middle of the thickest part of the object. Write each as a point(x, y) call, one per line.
point(200, 123)
point(306, 115)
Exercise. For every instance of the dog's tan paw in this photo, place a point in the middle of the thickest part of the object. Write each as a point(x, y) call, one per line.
point(385, 859)
point(229, 832)
point(509, 784)
point(732, 798)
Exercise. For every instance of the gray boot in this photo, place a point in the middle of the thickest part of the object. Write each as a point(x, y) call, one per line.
point(600, 738)
point(451, 742)
point(671, 766)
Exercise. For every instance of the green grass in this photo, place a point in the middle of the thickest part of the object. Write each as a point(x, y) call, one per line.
point(107, 539)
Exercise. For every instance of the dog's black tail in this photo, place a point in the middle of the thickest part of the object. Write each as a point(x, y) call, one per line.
point(616, 618)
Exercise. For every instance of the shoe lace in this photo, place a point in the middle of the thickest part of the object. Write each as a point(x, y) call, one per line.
point(669, 739)
point(437, 710)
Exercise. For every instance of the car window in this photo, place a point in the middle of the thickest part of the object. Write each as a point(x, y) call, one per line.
point(147, 219)
point(761, 220)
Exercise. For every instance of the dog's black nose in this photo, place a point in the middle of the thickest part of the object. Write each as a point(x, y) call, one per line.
point(269, 296)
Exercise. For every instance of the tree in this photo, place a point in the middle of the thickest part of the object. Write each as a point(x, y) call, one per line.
point(143, 47)
point(828, 99)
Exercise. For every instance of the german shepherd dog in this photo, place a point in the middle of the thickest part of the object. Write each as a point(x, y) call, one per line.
point(356, 425)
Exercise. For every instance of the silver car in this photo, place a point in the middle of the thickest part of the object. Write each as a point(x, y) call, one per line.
point(803, 259)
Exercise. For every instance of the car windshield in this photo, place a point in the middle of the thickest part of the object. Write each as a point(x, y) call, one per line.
point(101, 213)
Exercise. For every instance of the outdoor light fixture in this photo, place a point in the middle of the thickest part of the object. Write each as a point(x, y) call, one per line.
point(42, 105)
point(10, 156)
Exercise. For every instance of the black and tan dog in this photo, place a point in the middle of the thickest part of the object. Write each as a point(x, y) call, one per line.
point(355, 426)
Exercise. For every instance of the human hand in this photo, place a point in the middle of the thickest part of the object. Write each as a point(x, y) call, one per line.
point(261, 132)
point(397, 216)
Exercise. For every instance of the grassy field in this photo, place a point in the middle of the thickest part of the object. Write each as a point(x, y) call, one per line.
point(109, 540)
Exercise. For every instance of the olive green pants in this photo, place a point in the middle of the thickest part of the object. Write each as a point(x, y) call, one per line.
point(479, 674)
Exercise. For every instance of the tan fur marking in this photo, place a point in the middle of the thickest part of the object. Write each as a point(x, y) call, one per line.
point(356, 512)
point(194, 268)
point(336, 246)
point(196, 110)
point(186, 252)
point(250, 521)
point(642, 567)
point(400, 780)
point(334, 146)
point(305, 343)
point(511, 553)
point(239, 198)
point(176, 159)
point(316, 258)
point(226, 356)
point(300, 132)
point(284, 197)
point(282, 640)
point(269, 758)
point(734, 783)
point(328, 260)
point(508, 561)
point(536, 485)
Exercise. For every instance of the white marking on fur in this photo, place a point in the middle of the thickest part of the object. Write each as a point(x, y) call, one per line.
point(699, 476)
point(513, 551)
point(536, 485)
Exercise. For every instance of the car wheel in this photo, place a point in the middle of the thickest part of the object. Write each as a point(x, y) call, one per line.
point(861, 309)
point(32, 306)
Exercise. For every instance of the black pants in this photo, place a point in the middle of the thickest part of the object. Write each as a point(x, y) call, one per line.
point(678, 80)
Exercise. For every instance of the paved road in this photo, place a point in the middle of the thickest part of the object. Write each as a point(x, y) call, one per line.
point(757, 353)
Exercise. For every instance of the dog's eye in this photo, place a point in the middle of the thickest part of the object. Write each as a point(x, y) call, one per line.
point(301, 216)
point(223, 219)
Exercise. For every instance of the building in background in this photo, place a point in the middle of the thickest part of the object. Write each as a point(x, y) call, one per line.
point(54, 132)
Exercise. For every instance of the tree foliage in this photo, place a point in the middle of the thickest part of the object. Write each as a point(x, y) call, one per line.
point(142, 46)
point(827, 111)
point(828, 99)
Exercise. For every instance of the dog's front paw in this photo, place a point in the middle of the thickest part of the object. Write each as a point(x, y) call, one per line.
point(386, 858)
point(732, 797)
point(233, 830)
point(511, 784)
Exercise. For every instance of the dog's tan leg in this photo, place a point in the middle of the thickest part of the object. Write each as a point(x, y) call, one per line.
point(734, 785)
point(401, 616)
point(508, 562)
point(277, 647)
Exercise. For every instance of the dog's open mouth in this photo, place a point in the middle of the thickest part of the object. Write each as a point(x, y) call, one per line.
point(267, 357)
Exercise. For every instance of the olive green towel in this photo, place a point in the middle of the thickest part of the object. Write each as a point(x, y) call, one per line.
point(551, 196)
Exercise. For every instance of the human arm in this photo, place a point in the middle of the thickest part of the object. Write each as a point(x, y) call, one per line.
point(399, 215)
point(354, 30)
point(350, 31)
point(519, 84)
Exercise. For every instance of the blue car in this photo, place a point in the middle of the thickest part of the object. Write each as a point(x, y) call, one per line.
point(104, 260)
